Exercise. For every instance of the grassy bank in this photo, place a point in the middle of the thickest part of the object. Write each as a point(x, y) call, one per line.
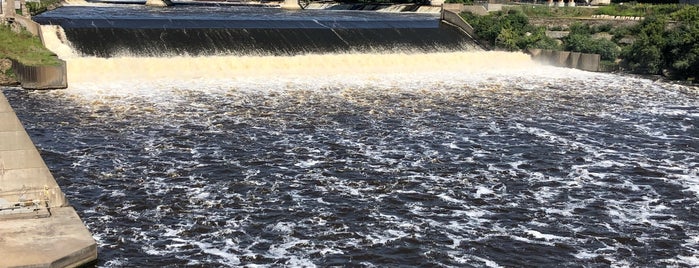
point(24, 48)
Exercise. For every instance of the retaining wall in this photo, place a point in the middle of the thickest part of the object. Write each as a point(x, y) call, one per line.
point(456, 20)
point(41, 77)
point(38, 228)
point(568, 59)
point(38, 77)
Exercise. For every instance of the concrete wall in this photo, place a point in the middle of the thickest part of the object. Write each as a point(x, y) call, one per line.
point(576, 60)
point(37, 227)
point(454, 19)
point(23, 174)
point(28, 24)
point(38, 77)
point(41, 77)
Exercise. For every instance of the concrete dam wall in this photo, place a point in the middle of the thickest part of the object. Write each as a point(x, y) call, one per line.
point(264, 32)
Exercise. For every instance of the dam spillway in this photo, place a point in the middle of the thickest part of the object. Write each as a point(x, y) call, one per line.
point(205, 31)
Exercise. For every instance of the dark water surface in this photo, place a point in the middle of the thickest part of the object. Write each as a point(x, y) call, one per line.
point(536, 170)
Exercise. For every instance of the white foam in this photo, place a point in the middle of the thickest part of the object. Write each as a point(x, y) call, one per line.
point(547, 237)
point(227, 258)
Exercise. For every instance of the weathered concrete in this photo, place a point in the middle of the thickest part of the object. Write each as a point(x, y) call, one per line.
point(37, 227)
point(41, 77)
point(158, 3)
point(453, 18)
point(577, 60)
point(60, 240)
point(589, 62)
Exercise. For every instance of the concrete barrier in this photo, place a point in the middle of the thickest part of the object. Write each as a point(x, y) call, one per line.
point(28, 24)
point(37, 227)
point(574, 59)
point(41, 77)
point(453, 18)
point(560, 58)
point(577, 60)
point(589, 62)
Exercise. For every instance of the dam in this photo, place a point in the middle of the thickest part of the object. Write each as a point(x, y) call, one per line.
point(394, 155)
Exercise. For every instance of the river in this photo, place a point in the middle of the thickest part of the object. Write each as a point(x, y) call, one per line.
point(445, 159)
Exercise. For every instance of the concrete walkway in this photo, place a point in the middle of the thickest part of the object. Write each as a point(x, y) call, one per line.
point(37, 226)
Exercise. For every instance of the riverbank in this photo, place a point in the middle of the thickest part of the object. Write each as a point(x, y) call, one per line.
point(23, 47)
point(660, 41)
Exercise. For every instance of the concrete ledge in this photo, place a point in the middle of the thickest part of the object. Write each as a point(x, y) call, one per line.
point(60, 240)
point(37, 227)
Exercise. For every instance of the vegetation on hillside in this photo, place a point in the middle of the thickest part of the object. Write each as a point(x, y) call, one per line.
point(659, 49)
point(510, 30)
point(581, 39)
point(656, 47)
point(24, 48)
point(42, 6)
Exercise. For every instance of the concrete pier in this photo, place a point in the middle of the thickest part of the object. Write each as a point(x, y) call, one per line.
point(37, 226)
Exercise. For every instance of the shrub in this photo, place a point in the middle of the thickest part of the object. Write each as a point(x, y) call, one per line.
point(510, 30)
point(645, 54)
point(682, 50)
point(584, 43)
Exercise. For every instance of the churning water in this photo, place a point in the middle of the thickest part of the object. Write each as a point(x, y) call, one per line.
point(451, 159)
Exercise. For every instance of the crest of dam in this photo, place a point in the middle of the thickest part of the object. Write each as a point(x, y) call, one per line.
point(205, 31)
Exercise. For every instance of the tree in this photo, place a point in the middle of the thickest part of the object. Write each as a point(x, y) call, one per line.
point(682, 50)
point(645, 54)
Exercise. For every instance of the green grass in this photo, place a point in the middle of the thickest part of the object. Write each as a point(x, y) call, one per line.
point(541, 11)
point(673, 11)
point(24, 48)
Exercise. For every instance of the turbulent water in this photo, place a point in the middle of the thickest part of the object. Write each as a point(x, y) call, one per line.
point(455, 159)
point(538, 166)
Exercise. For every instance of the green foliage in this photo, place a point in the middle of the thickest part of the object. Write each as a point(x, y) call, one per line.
point(41, 6)
point(507, 39)
point(645, 54)
point(510, 30)
point(24, 48)
point(687, 14)
point(580, 39)
point(581, 42)
point(682, 50)
point(541, 11)
point(640, 10)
